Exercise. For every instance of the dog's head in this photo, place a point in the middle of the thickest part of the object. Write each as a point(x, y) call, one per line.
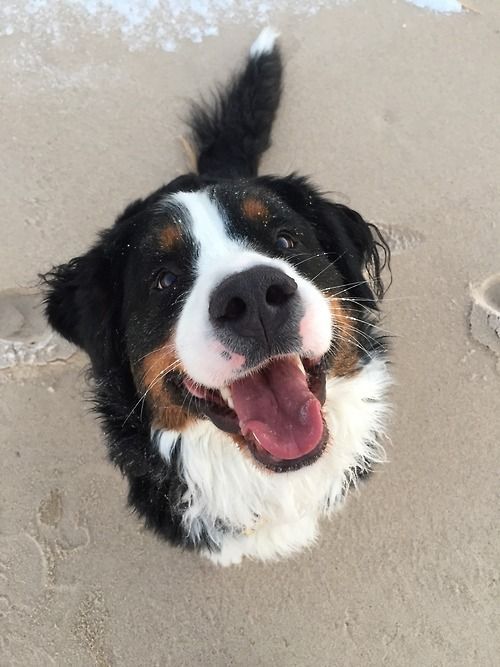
point(230, 302)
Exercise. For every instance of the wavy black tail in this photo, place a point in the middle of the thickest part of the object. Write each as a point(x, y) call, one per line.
point(232, 132)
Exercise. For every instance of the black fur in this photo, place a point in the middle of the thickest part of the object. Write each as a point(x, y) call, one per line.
point(102, 302)
point(231, 134)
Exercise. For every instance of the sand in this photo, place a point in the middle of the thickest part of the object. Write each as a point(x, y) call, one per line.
point(393, 109)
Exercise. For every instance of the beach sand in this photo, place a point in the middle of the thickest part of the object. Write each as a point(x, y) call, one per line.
point(394, 110)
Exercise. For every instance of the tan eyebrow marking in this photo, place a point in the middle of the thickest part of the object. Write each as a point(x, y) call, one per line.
point(170, 236)
point(254, 208)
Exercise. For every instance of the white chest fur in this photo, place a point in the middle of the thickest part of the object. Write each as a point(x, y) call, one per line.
point(270, 514)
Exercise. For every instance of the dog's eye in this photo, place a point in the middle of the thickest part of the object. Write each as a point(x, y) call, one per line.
point(165, 279)
point(284, 242)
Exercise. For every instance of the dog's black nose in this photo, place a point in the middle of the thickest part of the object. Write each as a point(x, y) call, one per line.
point(254, 304)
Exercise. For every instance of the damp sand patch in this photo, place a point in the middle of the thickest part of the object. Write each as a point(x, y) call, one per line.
point(485, 314)
point(399, 238)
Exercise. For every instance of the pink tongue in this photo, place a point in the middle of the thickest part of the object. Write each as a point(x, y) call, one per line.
point(277, 408)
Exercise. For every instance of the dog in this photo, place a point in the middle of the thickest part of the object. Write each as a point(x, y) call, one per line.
point(233, 327)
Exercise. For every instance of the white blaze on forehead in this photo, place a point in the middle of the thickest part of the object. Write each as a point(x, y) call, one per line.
point(218, 256)
point(206, 225)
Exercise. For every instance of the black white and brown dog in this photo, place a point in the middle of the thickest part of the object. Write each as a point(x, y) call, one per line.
point(231, 321)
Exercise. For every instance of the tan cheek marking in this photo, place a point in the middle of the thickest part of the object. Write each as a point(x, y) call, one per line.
point(254, 209)
point(166, 414)
point(346, 358)
point(170, 236)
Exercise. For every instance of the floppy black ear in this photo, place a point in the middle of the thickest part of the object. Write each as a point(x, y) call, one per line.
point(79, 305)
point(356, 246)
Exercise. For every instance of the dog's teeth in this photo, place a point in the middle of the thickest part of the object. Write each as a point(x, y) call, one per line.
point(225, 392)
point(300, 365)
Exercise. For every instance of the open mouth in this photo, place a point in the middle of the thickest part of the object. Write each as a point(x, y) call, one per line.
point(276, 409)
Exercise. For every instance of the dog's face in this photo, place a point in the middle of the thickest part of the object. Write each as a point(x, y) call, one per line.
point(228, 301)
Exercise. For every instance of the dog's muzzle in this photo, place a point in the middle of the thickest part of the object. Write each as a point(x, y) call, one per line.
point(256, 313)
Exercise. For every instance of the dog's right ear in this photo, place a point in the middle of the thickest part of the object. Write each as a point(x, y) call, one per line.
point(83, 298)
point(79, 304)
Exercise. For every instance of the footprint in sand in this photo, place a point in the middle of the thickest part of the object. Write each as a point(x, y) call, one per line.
point(399, 238)
point(61, 530)
point(25, 336)
point(50, 509)
point(485, 314)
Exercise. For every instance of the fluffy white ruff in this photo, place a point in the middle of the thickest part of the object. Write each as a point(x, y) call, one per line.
point(276, 514)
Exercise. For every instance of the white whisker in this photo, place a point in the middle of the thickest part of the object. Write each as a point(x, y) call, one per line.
point(158, 377)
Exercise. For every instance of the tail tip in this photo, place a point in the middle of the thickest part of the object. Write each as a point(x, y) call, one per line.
point(265, 42)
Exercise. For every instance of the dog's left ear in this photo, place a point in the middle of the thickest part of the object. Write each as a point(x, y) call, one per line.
point(357, 247)
point(353, 243)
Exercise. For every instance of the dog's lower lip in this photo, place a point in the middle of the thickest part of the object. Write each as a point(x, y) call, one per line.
point(213, 406)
